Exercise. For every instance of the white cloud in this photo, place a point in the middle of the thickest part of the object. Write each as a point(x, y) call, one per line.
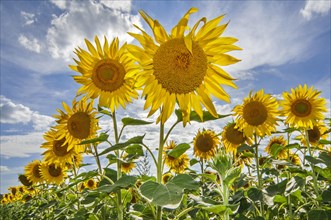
point(29, 18)
point(21, 145)
point(85, 19)
point(61, 4)
point(315, 7)
point(12, 113)
point(4, 169)
point(30, 44)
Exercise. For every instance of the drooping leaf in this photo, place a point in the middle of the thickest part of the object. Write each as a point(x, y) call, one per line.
point(195, 117)
point(102, 138)
point(232, 175)
point(185, 181)
point(135, 149)
point(133, 121)
point(293, 185)
point(178, 150)
point(255, 194)
point(134, 140)
point(123, 182)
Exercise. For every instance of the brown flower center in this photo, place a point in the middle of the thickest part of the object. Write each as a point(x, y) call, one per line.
point(90, 183)
point(59, 149)
point(234, 136)
point(301, 108)
point(255, 113)
point(24, 180)
point(54, 171)
point(36, 171)
point(79, 125)
point(108, 75)
point(176, 69)
point(204, 143)
point(314, 135)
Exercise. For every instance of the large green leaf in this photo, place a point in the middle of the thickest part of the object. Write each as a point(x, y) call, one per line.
point(185, 181)
point(168, 196)
point(135, 149)
point(255, 194)
point(319, 214)
point(134, 140)
point(326, 158)
point(102, 137)
point(277, 189)
point(178, 150)
point(232, 175)
point(280, 199)
point(294, 184)
point(132, 121)
point(123, 182)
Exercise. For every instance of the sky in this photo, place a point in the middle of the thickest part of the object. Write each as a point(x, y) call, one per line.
point(285, 43)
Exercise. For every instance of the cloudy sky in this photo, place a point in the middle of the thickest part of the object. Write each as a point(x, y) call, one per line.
point(285, 43)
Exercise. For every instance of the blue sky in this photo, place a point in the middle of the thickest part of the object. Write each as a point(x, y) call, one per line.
point(285, 43)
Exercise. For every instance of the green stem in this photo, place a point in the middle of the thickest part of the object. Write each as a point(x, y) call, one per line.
point(119, 173)
point(289, 177)
point(75, 174)
point(202, 179)
point(225, 200)
point(159, 167)
point(311, 165)
point(97, 159)
point(168, 133)
point(151, 153)
point(258, 171)
point(184, 212)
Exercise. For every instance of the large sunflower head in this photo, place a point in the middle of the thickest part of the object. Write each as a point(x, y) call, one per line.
point(258, 114)
point(77, 124)
point(57, 151)
point(32, 172)
point(303, 107)
point(53, 173)
point(318, 132)
point(106, 72)
point(205, 144)
point(184, 67)
point(91, 184)
point(232, 138)
point(282, 154)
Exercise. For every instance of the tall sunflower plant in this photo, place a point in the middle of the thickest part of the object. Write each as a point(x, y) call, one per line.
point(270, 160)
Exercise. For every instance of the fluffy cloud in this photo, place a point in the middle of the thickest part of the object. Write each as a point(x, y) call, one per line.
point(85, 19)
point(315, 7)
point(29, 43)
point(29, 18)
point(4, 169)
point(12, 113)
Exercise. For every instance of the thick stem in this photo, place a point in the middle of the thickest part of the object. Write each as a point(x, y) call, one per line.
point(159, 167)
point(225, 200)
point(259, 179)
point(119, 172)
point(97, 159)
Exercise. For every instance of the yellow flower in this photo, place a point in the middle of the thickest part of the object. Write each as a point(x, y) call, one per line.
point(24, 180)
point(107, 72)
point(53, 173)
point(295, 159)
point(32, 172)
point(240, 159)
point(205, 144)
point(126, 167)
point(177, 165)
point(282, 154)
point(318, 132)
point(183, 68)
point(77, 124)
point(303, 107)
point(166, 177)
point(258, 114)
point(57, 152)
point(232, 138)
point(91, 184)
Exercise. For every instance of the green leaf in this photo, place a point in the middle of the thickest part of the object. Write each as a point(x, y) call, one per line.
point(278, 188)
point(178, 150)
point(244, 147)
point(290, 146)
point(195, 117)
point(132, 121)
point(111, 174)
point(326, 158)
point(231, 175)
point(280, 199)
point(255, 194)
point(313, 160)
point(102, 138)
point(220, 209)
point(326, 195)
point(122, 183)
point(325, 172)
point(293, 185)
point(185, 181)
point(275, 149)
point(322, 141)
point(297, 194)
point(135, 149)
point(134, 140)
point(104, 111)
point(193, 162)
point(111, 158)
point(319, 214)
point(168, 196)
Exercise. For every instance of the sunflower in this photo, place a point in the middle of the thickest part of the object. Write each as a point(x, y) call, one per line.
point(318, 132)
point(24, 180)
point(232, 138)
point(78, 124)
point(303, 107)
point(183, 68)
point(177, 165)
point(282, 154)
point(295, 159)
point(53, 173)
point(81, 186)
point(126, 167)
point(32, 172)
point(205, 144)
point(258, 114)
point(242, 159)
point(106, 72)
point(166, 177)
point(91, 184)
point(57, 151)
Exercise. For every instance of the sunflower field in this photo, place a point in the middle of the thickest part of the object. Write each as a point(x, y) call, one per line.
point(177, 73)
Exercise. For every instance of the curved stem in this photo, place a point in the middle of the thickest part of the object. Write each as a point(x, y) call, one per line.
point(168, 133)
point(151, 153)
